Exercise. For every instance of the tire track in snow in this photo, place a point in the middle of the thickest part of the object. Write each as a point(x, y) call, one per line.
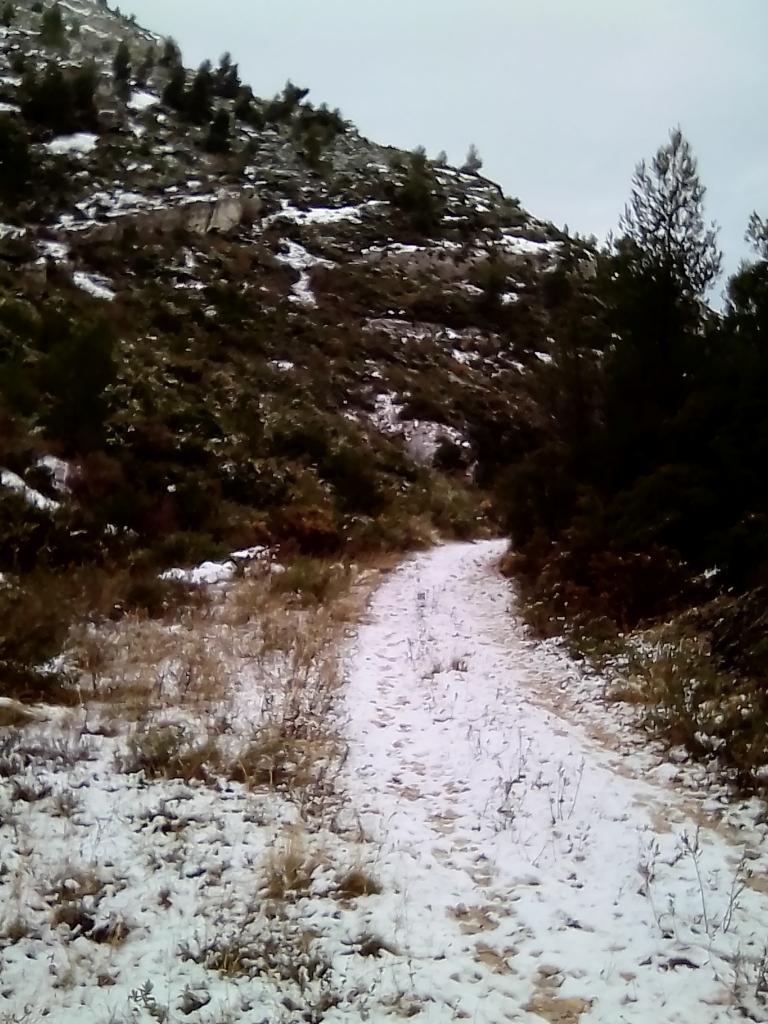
point(524, 877)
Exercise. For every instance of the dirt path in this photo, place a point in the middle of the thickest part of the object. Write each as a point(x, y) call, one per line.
point(524, 876)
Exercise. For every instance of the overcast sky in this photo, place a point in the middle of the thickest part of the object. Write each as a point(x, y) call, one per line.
point(562, 97)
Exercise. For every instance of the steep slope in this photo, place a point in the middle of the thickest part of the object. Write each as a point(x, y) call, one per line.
point(291, 321)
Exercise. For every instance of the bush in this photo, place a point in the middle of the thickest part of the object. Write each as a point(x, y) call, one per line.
point(156, 598)
point(170, 752)
point(35, 616)
point(16, 162)
point(312, 580)
point(62, 101)
point(218, 138)
point(53, 31)
point(582, 586)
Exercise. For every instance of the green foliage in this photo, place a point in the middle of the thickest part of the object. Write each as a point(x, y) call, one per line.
point(36, 614)
point(218, 139)
point(62, 101)
point(199, 99)
point(175, 91)
point(76, 374)
point(227, 79)
point(53, 31)
point(171, 55)
point(616, 502)
point(472, 162)
point(122, 66)
point(16, 161)
point(419, 196)
point(146, 67)
point(663, 224)
point(281, 108)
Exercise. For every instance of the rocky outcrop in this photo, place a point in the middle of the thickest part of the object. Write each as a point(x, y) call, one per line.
point(203, 215)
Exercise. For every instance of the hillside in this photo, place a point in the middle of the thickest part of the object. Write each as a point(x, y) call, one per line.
point(254, 308)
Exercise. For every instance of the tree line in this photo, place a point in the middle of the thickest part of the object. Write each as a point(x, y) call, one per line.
point(639, 484)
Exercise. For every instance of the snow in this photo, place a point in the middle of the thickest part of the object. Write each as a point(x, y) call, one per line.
point(142, 100)
point(95, 285)
point(59, 471)
point(422, 437)
point(55, 250)
point(519, 246)
point(209, 573)
point(299, 259)
point(318, 215)
point(13, 482)
point(524, 864)
point(9, 231)
point(9, 108)
point(79, 143)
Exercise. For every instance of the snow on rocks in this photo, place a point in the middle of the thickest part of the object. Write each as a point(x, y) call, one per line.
point(13, 482)
point(96, 285)
point(422, 437)
point(142, 100)
point(527, 870)
point(318, 214)
point(215, 572)
point(79, 144)
point(297, 257)
point(58, 470)
point(516, 245)
point(57, 251)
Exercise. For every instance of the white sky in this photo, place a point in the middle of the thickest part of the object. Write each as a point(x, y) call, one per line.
point(562, 97)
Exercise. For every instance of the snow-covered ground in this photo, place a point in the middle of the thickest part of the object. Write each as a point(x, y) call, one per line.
point(80, 143)
point(95, 285)
point(13, 482)
point(527, 868)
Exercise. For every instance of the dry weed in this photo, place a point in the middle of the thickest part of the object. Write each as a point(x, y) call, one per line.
point(290, 868)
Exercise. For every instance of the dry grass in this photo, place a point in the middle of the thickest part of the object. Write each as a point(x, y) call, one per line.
point(290, 868)
point(171, 752)
point(239, 686)
point(356, 883)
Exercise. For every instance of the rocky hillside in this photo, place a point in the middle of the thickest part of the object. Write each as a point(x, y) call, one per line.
point(227, 320)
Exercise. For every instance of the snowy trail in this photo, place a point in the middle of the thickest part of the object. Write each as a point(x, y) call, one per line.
point(524, 877)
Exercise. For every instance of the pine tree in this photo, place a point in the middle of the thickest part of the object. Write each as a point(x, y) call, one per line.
point(77, 373)
point(171, 55)
point(218, 140)
point(227, 78)
point(419, 196)
point(663, 224)
point(175, 91)
point(49, 100)
point(472, 162)
point(147, 66)
point(200, 95)
point(121, 65)
point(244, 109)
point(53, 31)
point(16, 163)
point(8, 15)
